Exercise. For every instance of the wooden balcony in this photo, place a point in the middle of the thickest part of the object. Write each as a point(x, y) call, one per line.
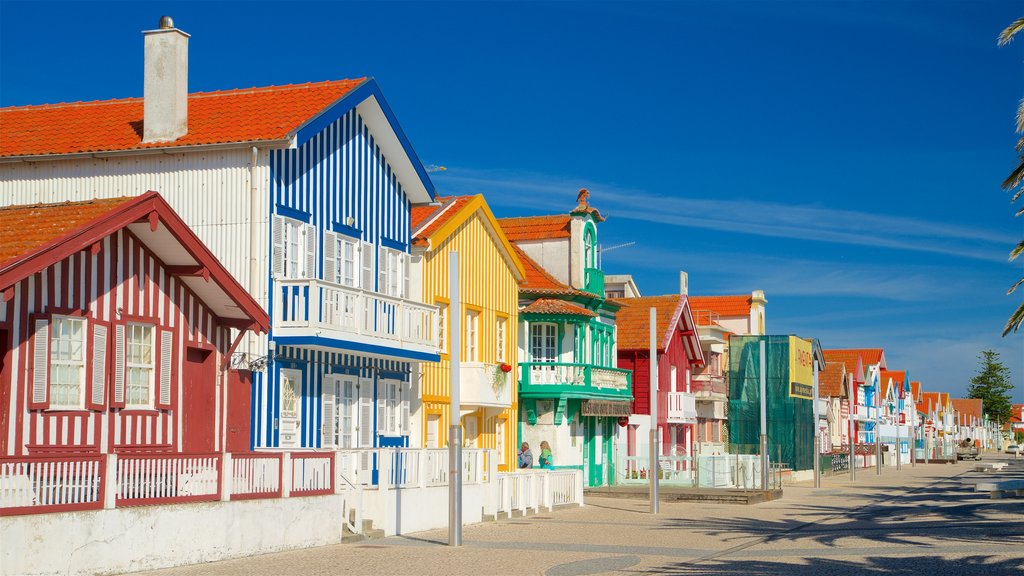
point(319, 313)
point(682, 408)
point(552, 379)
point(709, 387)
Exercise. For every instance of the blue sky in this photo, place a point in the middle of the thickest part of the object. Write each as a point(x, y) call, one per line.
point(845, 157)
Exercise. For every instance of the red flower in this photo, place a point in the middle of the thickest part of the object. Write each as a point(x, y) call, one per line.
point(506, 367)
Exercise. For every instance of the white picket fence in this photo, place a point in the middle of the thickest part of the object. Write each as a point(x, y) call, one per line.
point(51, 483)
point(535, 489)
point(167, 478)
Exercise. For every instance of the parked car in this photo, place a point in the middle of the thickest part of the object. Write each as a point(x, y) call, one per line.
point(1014, 449)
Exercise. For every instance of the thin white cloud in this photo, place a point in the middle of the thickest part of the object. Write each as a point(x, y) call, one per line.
point(540, 192)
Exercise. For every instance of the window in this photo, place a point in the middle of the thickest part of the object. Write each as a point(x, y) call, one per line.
point(393, 270)
point(294, 248)
point(442, 329)
point(139, 366)
point(543, 342)
point(589, 250)
point(499, 339)
point(340, 400)
point(67, 362)
point(472, 332)
point(392, 407)
point(341, 259)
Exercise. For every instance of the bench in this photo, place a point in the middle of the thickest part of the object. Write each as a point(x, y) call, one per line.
point(1001, 489)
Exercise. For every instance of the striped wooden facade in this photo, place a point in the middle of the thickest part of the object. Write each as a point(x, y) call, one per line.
point(122, 282)
point(337, 180)
point(488, 285)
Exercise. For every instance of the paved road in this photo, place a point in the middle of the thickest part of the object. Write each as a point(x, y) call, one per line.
point(924, 520)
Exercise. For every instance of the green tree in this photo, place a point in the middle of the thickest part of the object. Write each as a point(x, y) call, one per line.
point(992, 385)
point(1013, 181)
point(1019, 437)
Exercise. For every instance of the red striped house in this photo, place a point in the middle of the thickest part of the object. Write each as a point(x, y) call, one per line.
point(116, 324)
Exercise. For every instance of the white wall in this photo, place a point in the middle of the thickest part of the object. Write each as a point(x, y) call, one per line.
point(403, 511)
point(150, 537)
point(552, 255)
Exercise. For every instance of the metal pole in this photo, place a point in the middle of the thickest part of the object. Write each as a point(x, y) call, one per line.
point(899, 445)
point(913, 442)
point(454, 430)
point(764, 418)
point(853, 446)
point(655, 466)
point(817, 428)
point(878, 442)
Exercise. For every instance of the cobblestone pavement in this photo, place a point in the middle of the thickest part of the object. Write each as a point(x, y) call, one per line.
point(920, 520)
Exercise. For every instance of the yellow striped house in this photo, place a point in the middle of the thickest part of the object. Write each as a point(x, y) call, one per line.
point(489, 273)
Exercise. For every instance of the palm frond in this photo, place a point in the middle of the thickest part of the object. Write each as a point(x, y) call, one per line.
point(1016, 319)
point(1015, 177)
point(1017, 251)
point(1015, 286)
point(1020, 116)
point(1006, 36)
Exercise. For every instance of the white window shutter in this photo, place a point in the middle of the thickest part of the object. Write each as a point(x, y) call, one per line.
point(119, 360)
point(382, 401)
point(41, 363)
point(278, 224)
point(330, 256)
point(366, 261)
point(403, 274)
point(366, 414)
point(382, 270)
point(99, 365)
point(310, 250)
point(406, 398)
point(328, 431)
point(166, 356)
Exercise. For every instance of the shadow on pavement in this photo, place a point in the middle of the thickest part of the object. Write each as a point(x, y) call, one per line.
point(932, 565)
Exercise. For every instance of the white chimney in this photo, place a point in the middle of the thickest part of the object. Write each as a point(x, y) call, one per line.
point(165, 102)
point(684, 283)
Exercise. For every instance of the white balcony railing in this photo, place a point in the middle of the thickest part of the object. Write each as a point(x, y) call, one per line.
point(682, 408)
point(327, 307)
point(484, 384)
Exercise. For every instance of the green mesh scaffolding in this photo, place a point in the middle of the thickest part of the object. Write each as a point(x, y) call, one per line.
point(790, 419)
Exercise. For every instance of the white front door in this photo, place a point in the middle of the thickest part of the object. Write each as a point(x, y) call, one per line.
point(433, 430)
point(291, 408)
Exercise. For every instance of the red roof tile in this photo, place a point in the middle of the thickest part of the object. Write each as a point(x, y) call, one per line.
point(427, 219)
point(538, 281)
point(729, 306)
point(229, 116)
point(968, 410)
point(830, 380)
point(633, 320)
point(869, 355)
point(530, 228)
point(552, 306)
point(915, 390)
point(885, 376)
point(25, 229)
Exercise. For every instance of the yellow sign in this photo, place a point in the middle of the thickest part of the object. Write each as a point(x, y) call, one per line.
point(801, 369)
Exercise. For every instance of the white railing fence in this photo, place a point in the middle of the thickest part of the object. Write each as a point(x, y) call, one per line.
point(533, 490)
point(53, 483)
point(255, 476)
point(150, 479)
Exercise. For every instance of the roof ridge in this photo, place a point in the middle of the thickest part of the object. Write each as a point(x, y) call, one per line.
point(66, 203)
point(206, 94)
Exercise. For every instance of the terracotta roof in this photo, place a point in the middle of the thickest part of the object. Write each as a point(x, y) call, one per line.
point(537, 281)
point(729, 306)
point(633, 321)
point(229, 116)
point(428, 218)
point(915, 390)
point(530, 228)
point(885, 376)
point(551, 306)
point(849, 359)
point(968, 410)
point(830, 380)
point(25, 229)
point(869, 355)
point(934, 399)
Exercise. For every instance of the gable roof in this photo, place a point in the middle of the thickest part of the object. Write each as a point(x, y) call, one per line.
point(730, 306)
point(672, 314)
point(34, 237)
point(885, 377)
point(968, 410)
point(532, 228)
point(915, 390)
point(275, 116)
point(830, 380)
point(870, 356)
point(536, 280)
point(429, 230)
point(552, 306)
point(851, 359)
